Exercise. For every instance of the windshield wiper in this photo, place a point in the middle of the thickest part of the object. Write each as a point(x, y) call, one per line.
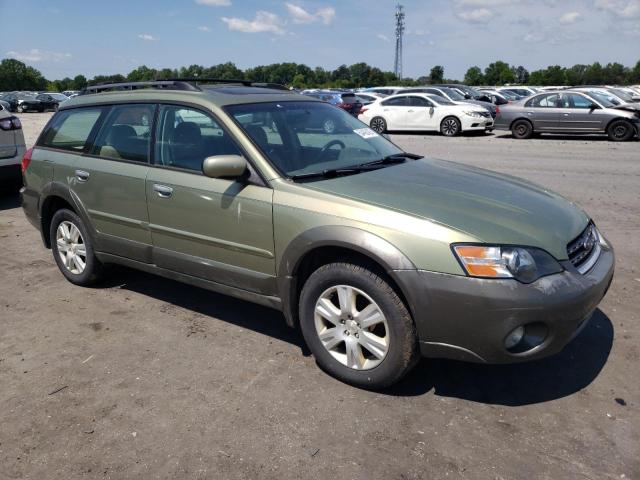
point(334, 172)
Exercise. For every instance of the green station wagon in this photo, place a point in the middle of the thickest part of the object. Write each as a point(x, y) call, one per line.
point(379, 256)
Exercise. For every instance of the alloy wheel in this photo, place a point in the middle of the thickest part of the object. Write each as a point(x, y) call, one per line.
point(377, 125)
point(450, 127)
point(352, 327)
point(71, 247)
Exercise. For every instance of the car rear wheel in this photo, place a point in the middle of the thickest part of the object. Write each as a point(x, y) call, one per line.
point(21, 108)
point(450, 127)
point(620, 131)
point(356, 326)
point(72, 249)
point(378, 124)
point(522, 129)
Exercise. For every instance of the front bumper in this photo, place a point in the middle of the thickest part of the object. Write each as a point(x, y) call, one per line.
point(469, 318)
point(476, 124)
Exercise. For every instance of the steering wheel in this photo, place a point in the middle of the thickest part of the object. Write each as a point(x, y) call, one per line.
point(324, 150)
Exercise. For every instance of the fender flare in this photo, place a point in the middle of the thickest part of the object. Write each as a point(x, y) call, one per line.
point(60, 190)
point(358, 240)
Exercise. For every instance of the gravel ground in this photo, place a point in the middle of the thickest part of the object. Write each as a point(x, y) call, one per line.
point(143, 377)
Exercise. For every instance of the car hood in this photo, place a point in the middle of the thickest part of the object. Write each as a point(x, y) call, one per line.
point(630, 107)
point(487, 105)
point(489, 206)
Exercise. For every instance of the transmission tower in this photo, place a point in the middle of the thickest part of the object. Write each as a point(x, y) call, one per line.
point(399, 34)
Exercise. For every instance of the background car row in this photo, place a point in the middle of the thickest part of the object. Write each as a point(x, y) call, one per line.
point(33, 101)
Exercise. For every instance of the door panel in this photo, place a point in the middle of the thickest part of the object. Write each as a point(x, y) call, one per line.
point(217, 229)
point(578, 116)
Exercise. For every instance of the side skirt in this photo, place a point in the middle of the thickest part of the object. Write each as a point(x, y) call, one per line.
point(265, 300)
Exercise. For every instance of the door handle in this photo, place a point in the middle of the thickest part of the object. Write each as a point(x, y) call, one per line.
point(163, 191)
point(566, 114)
point(82, 176)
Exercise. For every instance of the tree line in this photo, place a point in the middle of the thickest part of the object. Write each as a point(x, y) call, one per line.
point(15, 75)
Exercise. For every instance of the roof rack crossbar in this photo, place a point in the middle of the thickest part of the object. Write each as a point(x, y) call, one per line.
point(186, 84)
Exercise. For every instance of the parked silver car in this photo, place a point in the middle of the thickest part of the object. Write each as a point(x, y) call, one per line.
point(12, 149)
point(569, 112)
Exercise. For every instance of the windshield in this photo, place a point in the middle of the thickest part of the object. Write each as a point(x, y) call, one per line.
point(605, 100)
point(453, 94)
point(627, 97)
point(307, 137)
point(59, 96)
point(440, 100)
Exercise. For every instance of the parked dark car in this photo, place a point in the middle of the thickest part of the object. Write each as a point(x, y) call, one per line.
point(23, 102)
point(50, 101)
point(346, 101)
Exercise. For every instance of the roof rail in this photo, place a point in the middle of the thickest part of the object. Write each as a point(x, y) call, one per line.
point(186, 84)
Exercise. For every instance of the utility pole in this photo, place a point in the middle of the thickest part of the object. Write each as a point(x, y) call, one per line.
point(399, 34)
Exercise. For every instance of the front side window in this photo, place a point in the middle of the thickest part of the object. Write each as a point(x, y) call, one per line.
point(578, 101)
point(70, 129)
point(126, 133)
point(185, 137)
point(295, 138)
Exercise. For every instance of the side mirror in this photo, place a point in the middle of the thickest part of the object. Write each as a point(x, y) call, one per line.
point(467, 96)
point(431, 110)
point(224, 166)
point(593, 106)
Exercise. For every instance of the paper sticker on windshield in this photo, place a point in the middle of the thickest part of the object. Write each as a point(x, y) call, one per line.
point(365, 133)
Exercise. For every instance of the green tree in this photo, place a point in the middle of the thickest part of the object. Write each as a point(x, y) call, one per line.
point(474, 76)
point(15, 75)
point(142, 74)
point(437, 74)
point(79, 82)
point(576, 75)
point(594, 74)
point(521, 74)
point(615, 73)
point(634, 74)
point(498, 73)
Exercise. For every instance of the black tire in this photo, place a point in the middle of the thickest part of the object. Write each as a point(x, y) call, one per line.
point(620, 131)
point(21, 109)
point(92, 271)
point(522, 129)
point(378, 124)
point(402, 352)
point(450, 127)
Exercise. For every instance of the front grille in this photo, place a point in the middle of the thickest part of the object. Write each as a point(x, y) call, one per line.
point(584, 250)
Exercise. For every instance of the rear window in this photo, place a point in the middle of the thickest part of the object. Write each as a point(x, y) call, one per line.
point(70, 129)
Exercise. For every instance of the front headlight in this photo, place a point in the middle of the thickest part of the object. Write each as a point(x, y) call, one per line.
point(473, 114)
point(523, 264)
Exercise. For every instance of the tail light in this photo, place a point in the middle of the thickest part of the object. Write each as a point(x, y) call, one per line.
point(26, 160)
point(497, 109)
point(362, 110)
point(10, 123)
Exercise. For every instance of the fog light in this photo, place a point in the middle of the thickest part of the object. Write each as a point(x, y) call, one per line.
point(514, 338)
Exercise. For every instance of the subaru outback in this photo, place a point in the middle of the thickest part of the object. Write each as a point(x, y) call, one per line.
point(377, 255)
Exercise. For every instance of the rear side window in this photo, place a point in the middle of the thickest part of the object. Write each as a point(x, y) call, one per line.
point(126, 133)
point(70, 129)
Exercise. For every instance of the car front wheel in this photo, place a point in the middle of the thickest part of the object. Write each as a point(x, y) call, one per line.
point(72, 249)
point(356, 326)
point(450, 127)
point(378, 124)
point(620, 131)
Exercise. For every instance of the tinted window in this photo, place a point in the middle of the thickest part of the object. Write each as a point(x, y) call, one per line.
point(395, 102)
point(419, 102)
point(71, 129)
point(185, 137)
point(126, 133)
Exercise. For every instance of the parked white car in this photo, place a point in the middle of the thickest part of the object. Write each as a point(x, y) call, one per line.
point(425, 112)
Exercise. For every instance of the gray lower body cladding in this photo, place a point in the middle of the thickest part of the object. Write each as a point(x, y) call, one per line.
point(468, 319)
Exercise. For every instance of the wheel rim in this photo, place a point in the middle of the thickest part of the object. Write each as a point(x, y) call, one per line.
point(378, 125)
point(329, 126)
point(620, 131)
point(450, 127)
point(521, 129)
point(71, 247)
point(352, 327)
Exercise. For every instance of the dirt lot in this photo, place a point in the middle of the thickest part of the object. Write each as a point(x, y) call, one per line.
point(147, 378)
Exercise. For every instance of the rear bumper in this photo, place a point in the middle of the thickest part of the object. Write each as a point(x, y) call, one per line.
point(468, 318)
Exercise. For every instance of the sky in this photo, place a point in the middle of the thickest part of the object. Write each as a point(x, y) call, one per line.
point(65, 37)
